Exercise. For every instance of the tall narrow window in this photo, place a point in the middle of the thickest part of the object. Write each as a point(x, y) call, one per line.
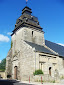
point(32, 33)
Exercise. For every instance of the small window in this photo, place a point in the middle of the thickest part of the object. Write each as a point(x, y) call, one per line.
point(32, 33)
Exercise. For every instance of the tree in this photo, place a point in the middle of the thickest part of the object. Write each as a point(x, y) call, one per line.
point(11, 44)
point(3, 65)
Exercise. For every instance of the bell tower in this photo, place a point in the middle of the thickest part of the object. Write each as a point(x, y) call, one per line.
point(31, 29)
point(26, 10)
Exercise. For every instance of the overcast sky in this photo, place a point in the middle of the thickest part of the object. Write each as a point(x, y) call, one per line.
point(50, 14)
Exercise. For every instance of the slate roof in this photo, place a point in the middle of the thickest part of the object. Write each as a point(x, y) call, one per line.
point(56, 47)
point(40, 48)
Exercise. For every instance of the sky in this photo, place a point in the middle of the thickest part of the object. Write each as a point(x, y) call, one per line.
point(50, 14)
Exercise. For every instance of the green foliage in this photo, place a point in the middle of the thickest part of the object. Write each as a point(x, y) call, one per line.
point(8, 76)
point(54, 81)
point(11, 44)
point(62, 77)
point(37, 72)
point(3, 65)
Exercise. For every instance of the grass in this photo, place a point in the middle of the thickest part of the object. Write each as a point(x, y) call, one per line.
point(2, 70)
point(45, 81)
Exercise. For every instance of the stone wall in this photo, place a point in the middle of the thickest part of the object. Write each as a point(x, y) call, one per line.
point(26, 34)
point(48, 60)
point(60, 67)
point(2, 74)
point(23, 55)
point(45, 78)
point(8, 70)
point(44, 61)
point(27, 61)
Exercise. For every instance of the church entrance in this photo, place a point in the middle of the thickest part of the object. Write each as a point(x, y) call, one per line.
point(15, 72)
point(50, 71)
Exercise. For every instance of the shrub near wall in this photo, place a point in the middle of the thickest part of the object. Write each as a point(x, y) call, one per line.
point(37, 72)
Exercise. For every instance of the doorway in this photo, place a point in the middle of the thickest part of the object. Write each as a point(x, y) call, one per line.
point(15, 72)
point(50, 71)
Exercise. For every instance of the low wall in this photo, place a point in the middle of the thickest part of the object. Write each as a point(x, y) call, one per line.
point(2, 74)
point(45, 78)
point(38, 78)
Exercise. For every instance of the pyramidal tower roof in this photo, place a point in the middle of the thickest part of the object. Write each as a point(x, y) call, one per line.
point(26, 10)
point(27, 20)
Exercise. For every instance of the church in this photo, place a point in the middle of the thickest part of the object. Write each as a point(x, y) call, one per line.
point(30, 51)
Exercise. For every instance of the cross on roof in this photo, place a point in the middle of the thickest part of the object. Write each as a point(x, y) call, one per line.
point(26, 2)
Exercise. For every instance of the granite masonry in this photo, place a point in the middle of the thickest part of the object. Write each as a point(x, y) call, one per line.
point(30, 51)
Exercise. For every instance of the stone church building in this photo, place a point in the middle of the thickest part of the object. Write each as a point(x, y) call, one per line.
point(30, 51)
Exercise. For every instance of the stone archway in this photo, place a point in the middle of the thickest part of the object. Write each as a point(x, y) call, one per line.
point(15, 72)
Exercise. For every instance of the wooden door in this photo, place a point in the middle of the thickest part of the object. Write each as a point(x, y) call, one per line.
point(15, 72)
point(50, 71)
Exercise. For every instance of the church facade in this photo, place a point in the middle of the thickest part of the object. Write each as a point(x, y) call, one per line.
point(30, 51)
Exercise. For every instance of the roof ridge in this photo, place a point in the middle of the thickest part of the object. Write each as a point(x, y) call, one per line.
point(54, 43)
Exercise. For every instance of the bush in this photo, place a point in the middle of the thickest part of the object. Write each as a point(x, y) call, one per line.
point(37, 72)
point(54, 81)
point(8, 76)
